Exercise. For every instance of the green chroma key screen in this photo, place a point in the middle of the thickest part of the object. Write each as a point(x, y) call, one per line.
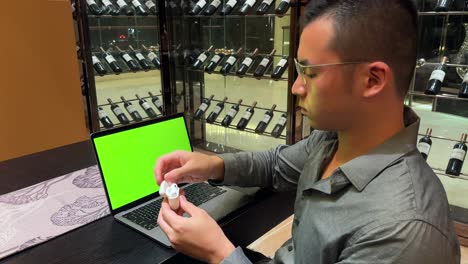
point(128, 158)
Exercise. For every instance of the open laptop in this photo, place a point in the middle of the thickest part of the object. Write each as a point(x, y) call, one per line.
point(126, 158)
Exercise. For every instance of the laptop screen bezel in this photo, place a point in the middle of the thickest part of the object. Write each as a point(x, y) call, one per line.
point(125, 128)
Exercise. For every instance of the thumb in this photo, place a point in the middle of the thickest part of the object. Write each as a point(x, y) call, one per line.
point(187, 206)
point(176, 175)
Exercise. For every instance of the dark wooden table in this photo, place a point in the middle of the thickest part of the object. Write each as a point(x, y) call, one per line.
point(107, 241)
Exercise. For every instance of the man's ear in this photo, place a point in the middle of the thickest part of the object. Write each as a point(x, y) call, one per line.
point(378, 77)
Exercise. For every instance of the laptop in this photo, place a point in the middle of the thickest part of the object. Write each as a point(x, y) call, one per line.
point(126, 158)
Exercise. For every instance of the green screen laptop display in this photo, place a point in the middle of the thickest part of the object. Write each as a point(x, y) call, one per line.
point(128, 158)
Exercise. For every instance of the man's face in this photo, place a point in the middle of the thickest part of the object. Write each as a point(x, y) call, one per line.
point(326, 98)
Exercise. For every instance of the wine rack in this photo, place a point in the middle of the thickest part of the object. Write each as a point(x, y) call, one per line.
point(443, 34)
point(134, 101)
point(239, 114)
point(248, 75)
point(120, 31)
point(265, 32)
point(178, 39)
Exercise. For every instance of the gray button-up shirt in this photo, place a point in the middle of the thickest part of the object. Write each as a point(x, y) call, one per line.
point(386, 206)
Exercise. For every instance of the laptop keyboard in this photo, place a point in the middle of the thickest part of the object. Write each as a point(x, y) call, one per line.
point(197, 193)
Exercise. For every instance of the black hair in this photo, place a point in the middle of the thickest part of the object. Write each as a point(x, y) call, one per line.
point(372, 30)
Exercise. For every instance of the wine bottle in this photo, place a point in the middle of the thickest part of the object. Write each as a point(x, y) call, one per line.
point(219, 55)
point(227, 120)
point(94, 8)
point(227, 9)
point(98, 65)
point(157, 102)
point(128, 59)
point(152, 57)
point(73, 7)
point(118, 112)
point(178, 97)
point(211, 9)
point(180, 55)
point(263, 8)
point(198, 7)
point(279, 127)
point(111, 61)
point(105, 120)
point(202, 58)
point(125, 8)
point(443, 5)
point(464, 87)
point(139, 8)
point(141, 59)
point(264, 64)
point(109, 8)
point(146, 107)
point(434, 85)
point(203, 107)
point(174, 8)
point(283, 7)
point(247, 6)
point(425, 144)
point(152, 7)
point(246, 64)
point(216, 111)
point(280, 68)
point(230, 62)
point(131, 110)
point(192, 55)
point(265, 121)
point(244, 121)
point(458, 157)
point(187, 5)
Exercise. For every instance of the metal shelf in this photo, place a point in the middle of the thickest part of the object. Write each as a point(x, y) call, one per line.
point(442, 172)
point(131, 100)
point(125, 72)
point(256, 107)
point(442, 96)
point(252, 131)
point(441, 138)
point(235, 16)
point(448, 64)
point(449, 13)
point(265, 77)
point(102, 128)
point(121, 16)
point(121, 27)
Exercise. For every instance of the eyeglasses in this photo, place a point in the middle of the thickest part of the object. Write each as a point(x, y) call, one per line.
point(305, 70)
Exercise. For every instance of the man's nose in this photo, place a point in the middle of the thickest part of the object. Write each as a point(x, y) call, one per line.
point(298, 87)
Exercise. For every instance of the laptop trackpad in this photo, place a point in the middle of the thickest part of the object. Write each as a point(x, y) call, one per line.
point(226, 203)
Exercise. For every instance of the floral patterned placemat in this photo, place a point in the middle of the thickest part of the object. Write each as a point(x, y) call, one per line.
point(40, 212)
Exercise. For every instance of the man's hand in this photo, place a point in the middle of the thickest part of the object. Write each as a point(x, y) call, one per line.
point(198, 236)
point(188, 167)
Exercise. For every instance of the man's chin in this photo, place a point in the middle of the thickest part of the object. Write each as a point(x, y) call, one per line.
point(315, 124)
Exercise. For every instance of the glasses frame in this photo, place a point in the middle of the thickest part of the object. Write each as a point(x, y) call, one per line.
point(302, 69)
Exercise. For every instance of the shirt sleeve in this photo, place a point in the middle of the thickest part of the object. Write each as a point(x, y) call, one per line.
point(403, 242)
point(278, 169)
point(236, 257)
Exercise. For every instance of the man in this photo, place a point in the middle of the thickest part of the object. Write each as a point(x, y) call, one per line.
point(364, 193)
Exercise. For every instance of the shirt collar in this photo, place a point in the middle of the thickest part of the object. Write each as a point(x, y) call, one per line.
point(362, 170)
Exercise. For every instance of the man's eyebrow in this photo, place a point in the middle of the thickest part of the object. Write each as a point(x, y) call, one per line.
point(305, 62)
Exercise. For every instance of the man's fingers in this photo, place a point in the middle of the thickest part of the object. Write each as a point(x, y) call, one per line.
point(178, 175)
point(158, 172)
point(165, 226)
point(164, 164)
point(187, 206)
point(174, 220)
